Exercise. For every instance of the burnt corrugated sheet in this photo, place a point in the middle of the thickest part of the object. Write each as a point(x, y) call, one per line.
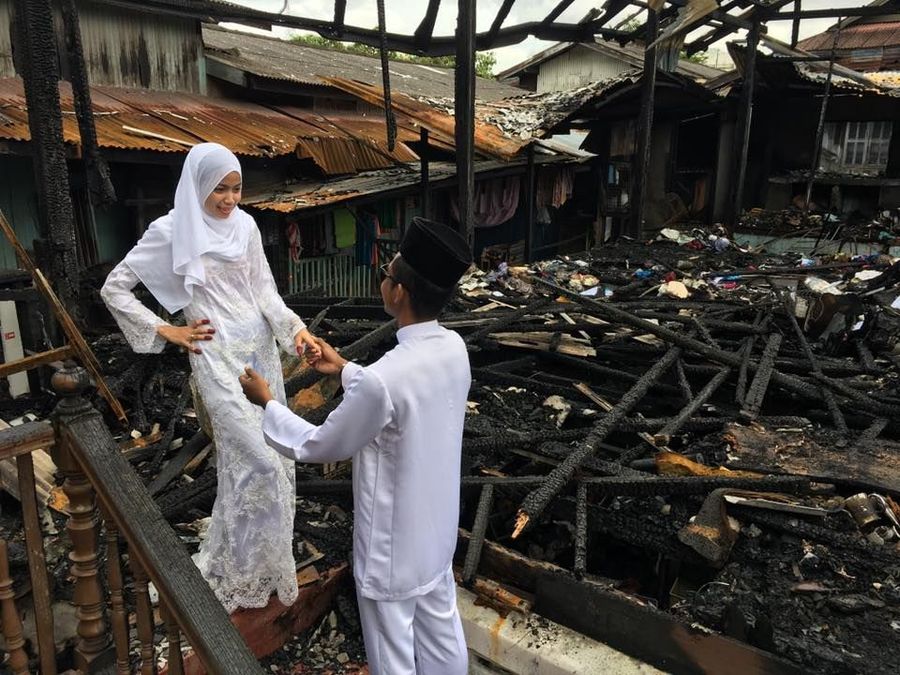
point(138, 119)
point(858, 36)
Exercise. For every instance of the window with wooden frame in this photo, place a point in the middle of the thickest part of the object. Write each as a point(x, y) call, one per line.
point(861, 146)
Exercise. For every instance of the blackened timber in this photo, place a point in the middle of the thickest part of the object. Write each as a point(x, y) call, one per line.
point(99, 183)
point(612, 313)
point(340, 10)
point(534, 504)
point(830, 402)
point(861, 400)
point(742, 127)
point(871, 433)
point(820, 127)
point(641, 168)
point(502, 13)
point(464, 117)
point(425, 185)
point(37, 63)
point(479, 527)
point(760, 384)
point(740, 389)
point(581, 529)
point(795, 24)
point(530, 185)
point(422, 36)
point(506, 319)
point(561, 7)
point(175, 466)
point(683, 383)
point(353, 351)
point(684, 415)
point(628, 424)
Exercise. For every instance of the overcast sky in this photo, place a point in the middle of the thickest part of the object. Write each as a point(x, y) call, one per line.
point(403, 16)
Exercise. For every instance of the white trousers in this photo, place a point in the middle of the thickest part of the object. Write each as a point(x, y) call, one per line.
point(419, 636)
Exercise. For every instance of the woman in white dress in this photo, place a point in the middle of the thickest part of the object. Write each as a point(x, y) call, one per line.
point(205, 257)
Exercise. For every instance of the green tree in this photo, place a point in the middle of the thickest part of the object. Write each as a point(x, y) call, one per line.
point(484, 61)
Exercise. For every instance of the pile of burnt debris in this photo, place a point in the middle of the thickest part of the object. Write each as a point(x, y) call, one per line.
point(710, 435)
point(686, 451)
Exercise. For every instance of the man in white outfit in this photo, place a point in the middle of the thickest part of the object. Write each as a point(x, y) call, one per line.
point(401, 421)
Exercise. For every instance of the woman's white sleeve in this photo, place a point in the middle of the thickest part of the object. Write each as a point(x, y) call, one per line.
point(137, 323)
point(285, 324)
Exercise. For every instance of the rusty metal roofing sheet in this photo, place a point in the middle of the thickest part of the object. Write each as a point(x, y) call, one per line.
point(135, 119)
point(489, 140)
point(308, 195)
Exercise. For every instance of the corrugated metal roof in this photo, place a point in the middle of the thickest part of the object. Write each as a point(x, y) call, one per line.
point(133, 119)
point(489, 140)
point(858, 36)
point(277, 59)
point(307, 195)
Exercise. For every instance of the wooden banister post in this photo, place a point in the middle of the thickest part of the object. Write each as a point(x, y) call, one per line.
point(115, 583)
point(93, 638)
point(12, 625)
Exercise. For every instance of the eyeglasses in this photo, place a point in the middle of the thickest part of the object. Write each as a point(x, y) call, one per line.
point(385, 273)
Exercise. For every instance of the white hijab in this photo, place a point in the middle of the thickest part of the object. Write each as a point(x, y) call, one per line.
point(167, 259)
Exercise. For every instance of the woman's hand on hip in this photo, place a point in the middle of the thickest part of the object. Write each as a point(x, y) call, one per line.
point(187, 336)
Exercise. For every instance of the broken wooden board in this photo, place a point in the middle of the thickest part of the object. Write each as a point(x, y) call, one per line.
point(545, 342)
point(756, 448)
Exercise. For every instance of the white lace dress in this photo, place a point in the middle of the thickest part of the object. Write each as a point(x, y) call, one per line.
point(248, 553)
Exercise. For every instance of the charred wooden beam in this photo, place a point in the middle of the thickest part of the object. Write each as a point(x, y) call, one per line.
point(98, 180)
point(742, 127)
point(683, 383)
point(871, 433)
point(533, 505)
point(820, 127)
point(672, 428)
point(613, 313)
point(424, 181)
point(38, 65)
point(581, 529)
point(830, 402)
point(530, 187)
point(502, 13)
point(560, 7)
point(479, 527)
point(176, 465)
point(464, 117)
point(340, 11)
point(641, 168)
point(422, 36)
point(760, 384)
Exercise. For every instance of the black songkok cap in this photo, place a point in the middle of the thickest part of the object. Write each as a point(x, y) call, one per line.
point(436, 252)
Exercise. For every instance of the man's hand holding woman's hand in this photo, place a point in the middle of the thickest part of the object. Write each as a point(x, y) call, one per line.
point(326, 360)
point(304, 340)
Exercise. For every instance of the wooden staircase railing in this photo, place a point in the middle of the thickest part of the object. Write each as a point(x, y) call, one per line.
point(99, 480)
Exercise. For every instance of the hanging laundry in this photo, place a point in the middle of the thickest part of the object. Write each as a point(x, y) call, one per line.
point(344, 228)
point(554, 187)
point(495, 201)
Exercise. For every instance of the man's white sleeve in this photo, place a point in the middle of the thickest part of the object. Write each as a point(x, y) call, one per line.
point(356, 422)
